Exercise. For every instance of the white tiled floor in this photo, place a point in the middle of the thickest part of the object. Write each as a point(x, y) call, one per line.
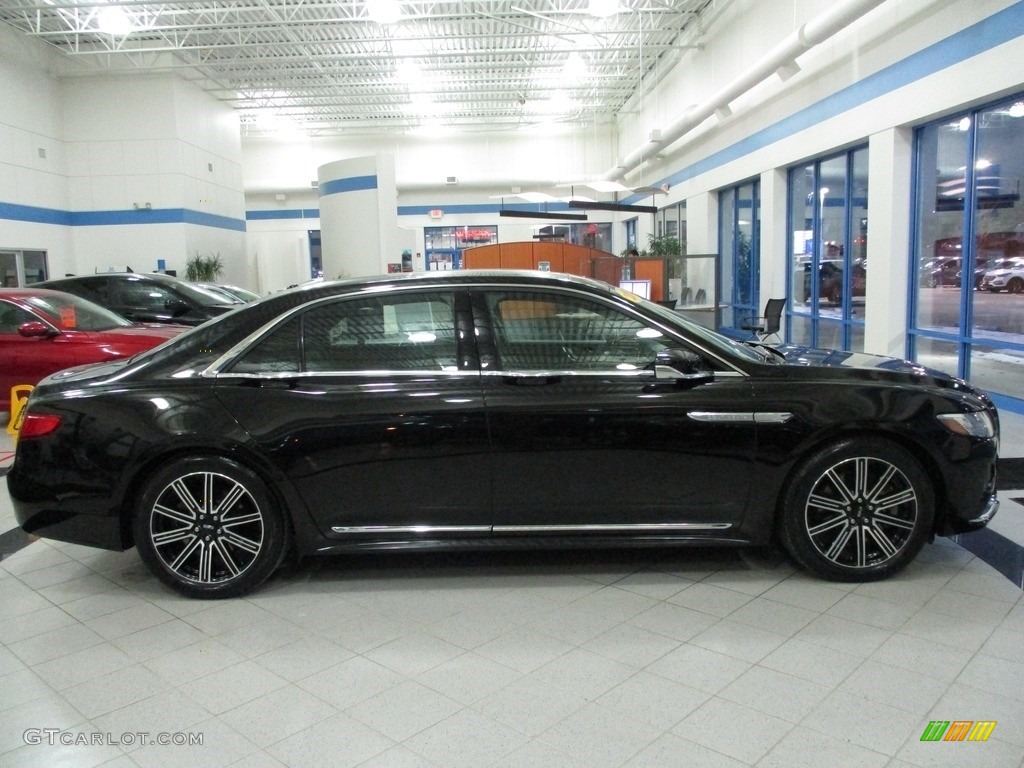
point(686, 658)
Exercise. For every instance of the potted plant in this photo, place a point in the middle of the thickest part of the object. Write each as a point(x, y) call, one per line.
point(203, 269)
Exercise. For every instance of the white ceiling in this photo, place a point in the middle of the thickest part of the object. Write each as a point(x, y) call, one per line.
point(325, 67)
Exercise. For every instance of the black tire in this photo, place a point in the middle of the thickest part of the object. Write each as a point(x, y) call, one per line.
point(209, 528)
point(831, 521)
point(1016, 285)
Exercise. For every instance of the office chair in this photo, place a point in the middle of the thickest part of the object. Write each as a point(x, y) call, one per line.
point(766, 325)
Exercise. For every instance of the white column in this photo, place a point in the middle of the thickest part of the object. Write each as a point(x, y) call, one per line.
point(358, 216)
point(702, 223)
point(774, 224)
point(890, 161)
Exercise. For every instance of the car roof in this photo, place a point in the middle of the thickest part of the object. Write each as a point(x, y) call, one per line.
point(124, 275)
point(460, 277)
point(28, 292)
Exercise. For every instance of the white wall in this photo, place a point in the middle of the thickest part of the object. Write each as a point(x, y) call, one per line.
point(30, 120)
point(484, 163)
point(112, 144)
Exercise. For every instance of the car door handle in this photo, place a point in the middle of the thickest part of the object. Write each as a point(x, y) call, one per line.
point(533, 381)
point(276, 383)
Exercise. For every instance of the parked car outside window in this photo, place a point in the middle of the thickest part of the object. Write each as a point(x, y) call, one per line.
point(1007, 275)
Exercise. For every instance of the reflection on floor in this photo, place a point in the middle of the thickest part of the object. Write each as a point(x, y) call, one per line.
point(642, 658)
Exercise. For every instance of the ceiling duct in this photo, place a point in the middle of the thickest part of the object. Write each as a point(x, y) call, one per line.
point(814, 32)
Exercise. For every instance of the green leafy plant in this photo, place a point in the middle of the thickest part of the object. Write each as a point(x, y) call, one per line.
point(204, 269)
point(666, 245)
point(658, 247)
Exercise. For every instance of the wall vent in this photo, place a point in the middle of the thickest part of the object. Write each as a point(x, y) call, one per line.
point(451, 180)
point(314, 184)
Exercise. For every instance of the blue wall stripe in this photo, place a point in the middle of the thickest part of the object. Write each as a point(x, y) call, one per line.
point(352, 184)
point(34, 215)
point(291, 213)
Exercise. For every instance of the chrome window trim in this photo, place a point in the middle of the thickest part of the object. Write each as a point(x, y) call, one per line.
point(640, 375)
point(214, 369)
point(430, 373)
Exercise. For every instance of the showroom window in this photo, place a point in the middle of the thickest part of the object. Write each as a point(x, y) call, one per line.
point(443, 246)
point(630, 225)
point(20, 268)
point(828, 215)
point(671, 222)
point(739, 233)
point(967, 314)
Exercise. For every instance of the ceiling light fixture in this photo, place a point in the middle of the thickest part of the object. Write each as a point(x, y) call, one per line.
point(603, 8)
point(575, 68)
point(623, 207)
point(517, 214)
point(114, 20)
point(383, 11)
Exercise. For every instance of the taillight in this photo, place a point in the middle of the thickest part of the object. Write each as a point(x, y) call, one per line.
point(38, 425)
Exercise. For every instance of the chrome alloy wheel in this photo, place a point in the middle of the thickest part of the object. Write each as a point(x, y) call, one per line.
point(206, 527)
point(861, 512)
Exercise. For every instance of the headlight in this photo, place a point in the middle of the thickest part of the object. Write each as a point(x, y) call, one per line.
point(975, 424)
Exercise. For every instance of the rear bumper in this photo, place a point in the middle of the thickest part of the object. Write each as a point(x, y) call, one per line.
point(51, 522)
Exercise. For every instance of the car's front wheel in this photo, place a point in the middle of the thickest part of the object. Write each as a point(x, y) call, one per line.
point(858, 511)
point(1016, 285)
point(209, 528)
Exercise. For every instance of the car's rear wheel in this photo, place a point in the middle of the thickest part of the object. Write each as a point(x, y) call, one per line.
point(858, 511)
point(209, 528)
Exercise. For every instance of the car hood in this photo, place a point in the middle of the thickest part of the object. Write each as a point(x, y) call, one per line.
point(808, 362)
point(797, 355)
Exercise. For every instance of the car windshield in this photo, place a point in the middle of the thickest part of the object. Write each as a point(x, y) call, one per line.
point(714, 339)
point(233, 292)
point(71, 313)
point(226, 296)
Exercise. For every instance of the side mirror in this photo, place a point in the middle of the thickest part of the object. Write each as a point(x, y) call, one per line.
point(176, 307)
point(36, 330)
point(682, 366)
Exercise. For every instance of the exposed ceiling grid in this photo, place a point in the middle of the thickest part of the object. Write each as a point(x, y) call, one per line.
point(325, 67)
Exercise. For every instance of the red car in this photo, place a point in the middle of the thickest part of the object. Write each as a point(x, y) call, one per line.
point(44, 331)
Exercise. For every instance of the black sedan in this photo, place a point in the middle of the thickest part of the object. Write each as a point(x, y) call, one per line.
point(146, 297)
point(494, 409)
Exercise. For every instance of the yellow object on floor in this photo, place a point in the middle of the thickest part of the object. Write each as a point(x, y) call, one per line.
point(19, 399)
